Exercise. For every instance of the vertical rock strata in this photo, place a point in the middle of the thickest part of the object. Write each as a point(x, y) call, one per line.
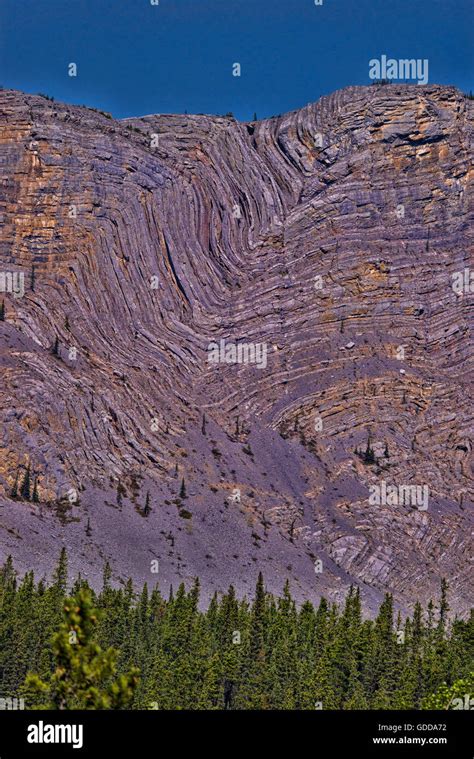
point(331, 238)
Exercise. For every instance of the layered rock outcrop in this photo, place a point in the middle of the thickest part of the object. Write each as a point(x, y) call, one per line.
point(321, 248)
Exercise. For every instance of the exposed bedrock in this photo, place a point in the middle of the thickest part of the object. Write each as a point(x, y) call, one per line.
point(279, 312)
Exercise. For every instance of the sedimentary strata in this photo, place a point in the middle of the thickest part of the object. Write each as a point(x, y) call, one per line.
point(332, 236)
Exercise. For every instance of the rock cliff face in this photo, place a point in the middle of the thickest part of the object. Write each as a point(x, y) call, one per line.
point(278, 313)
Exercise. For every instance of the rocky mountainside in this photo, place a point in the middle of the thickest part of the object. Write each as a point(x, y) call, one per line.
point(238, 346)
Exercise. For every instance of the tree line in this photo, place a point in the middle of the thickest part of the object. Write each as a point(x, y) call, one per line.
point(72, 647)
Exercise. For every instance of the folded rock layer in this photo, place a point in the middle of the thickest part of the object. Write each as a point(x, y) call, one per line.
point(232, 335)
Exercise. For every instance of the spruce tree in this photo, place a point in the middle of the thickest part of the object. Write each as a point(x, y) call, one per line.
point(85, 677)
point(147, 507)
point(443, 609)
point(25, 490)
point(35, 496)
point(60, 575)
point(236, 654)
point(253, 691)
point(369, 456)
point(14, 491)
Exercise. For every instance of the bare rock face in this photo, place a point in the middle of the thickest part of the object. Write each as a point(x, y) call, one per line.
point(230, 347)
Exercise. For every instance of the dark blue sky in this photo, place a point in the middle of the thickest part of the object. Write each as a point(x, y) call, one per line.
point(134, 58)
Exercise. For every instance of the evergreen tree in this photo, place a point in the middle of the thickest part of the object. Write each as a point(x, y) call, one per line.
point(459, 696)
point(443, 609)
point(35, 496)
point(60, 575)
point(147, 507)
point(25, 490)
point(252, 693)
point(235, 654)
point(84, 676)
point(369, 455)
point(355, 697)
point(14, 492)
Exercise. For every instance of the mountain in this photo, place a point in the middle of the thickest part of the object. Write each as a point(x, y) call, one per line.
point(230, 347)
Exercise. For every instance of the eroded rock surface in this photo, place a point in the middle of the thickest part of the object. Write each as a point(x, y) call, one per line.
point(329, 236)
